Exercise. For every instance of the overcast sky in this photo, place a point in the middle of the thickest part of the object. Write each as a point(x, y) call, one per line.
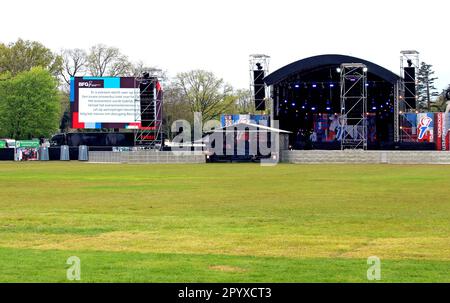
point(219, 35)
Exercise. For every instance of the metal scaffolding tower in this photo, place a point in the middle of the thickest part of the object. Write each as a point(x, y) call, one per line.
point(148, 109)
point(402, 126)
point(353, 106)
point(259, 62)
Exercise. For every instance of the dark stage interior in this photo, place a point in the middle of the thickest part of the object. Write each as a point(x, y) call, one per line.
point(306, 98)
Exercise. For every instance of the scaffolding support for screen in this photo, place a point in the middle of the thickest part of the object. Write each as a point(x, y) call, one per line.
point(353, 106)
point(149, 134)
point(402, 126)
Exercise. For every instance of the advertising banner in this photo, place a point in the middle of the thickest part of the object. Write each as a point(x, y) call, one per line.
point(27, 150)
point(227, 120)
point(439, 126)
point(2, 144)
point(425, 127)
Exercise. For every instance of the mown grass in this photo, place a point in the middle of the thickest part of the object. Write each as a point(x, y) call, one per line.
point(230, 222)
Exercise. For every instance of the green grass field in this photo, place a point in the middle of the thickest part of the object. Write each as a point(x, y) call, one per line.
point(224, 222)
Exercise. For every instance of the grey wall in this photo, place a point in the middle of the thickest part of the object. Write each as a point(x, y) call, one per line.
point(359, 156)
point(146, 157)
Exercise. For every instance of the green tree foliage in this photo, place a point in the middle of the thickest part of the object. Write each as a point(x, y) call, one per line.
point(244, 103)
point(29, 105)
point(440, 103)
point(205, 93)
point(23, 55)
point(425, 86)
point(176, 107)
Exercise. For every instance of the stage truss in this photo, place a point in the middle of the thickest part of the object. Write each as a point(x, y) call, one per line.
point(149, 135)
point(264, 61)
point(353, 106)
point(402, 127)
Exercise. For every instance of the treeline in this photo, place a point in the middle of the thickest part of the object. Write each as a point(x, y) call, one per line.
point(34, 87)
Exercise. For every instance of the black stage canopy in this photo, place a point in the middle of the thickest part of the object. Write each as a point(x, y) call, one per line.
point(324, 61)
point(306, 96)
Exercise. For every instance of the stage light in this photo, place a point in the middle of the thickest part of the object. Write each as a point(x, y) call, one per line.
point(328, 108)
point(374, 108)
point(314, 85)
point(367, 84)
point(303, 107)
point(338, 69)
point(365, 69)
point(293, 104)
point(285, 101)
point(313, 108)
point(331, 85)
point(297, 86)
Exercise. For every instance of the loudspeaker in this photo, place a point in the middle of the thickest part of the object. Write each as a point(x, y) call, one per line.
point(410, 86)
point(147, 90)
point(260, 91)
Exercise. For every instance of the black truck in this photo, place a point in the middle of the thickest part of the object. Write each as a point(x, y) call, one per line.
point(96, 139)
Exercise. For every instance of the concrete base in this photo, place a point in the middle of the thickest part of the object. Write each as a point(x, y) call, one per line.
point(146, 157)
point(359, 156)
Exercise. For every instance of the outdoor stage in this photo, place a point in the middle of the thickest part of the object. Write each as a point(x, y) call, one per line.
point(310, 100)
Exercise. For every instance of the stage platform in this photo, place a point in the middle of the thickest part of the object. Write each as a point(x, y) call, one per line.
point(365, 157)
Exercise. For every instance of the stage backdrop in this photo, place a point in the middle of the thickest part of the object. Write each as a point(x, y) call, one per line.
point(228, 120)
point(104, 102)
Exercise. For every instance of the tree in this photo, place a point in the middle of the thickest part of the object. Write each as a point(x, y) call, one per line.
point(244, 102)
point(425, 86)
point(108, 61)
point(440, 104)
point(176, 107)
point(22, 56)
point(138, 68)
point(205, 93)
point(29, 105)
point(74, 63)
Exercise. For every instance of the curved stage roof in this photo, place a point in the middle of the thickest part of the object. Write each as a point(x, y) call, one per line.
point(324, 61)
